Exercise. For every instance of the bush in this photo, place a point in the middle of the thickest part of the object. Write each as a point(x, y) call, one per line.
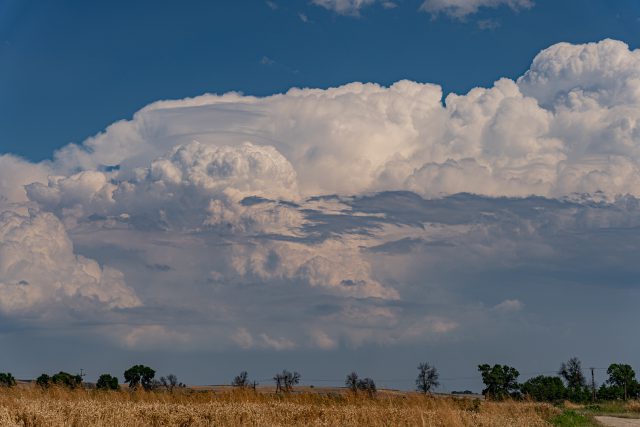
point(7, 380)
point(65, 379)
point(544, 389)
point(43, 381)
point(107, 382)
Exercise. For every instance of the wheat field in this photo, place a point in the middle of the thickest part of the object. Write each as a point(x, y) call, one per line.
point(30, 406)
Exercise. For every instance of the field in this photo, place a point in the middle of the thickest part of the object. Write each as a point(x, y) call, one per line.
point(30, 406)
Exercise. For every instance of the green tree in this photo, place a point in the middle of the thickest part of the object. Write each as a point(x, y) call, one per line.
point(623, 377)
point(107, 382)
point(43, 381)
point(571, 372)
point(65, 379)
point(139, 375)
point(544, 389)
point(501, 381)
point(427, 378)
point(7, 380)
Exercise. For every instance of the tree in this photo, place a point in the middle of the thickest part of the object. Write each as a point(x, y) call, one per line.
point(169, 382)
point(286, 380)
point(241, 380)
point(139, 375)
point(43, 381)
point(501, 381)
point(544, 389)
point(427, 378)
point(352, 382)
point(622, 376)
point(107, 382)
point(571, 372)
point(368, 386)
point(65, 379)
point(7, 380)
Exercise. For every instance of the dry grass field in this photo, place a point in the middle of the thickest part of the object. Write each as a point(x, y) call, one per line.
point(30, 406)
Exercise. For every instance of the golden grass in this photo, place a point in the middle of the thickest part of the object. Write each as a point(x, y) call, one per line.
point(30, 406)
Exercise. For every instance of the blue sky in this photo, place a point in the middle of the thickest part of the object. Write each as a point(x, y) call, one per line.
point(68, 69)
point(325, 185)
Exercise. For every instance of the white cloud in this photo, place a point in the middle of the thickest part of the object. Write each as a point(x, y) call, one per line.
point(570, 124)
point(509, 305)
point(462, 8)
point(148, 337)
point(39, 271)
point(344, 7)
point(214, 204)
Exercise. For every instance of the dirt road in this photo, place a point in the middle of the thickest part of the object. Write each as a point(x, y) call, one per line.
point(618, 422)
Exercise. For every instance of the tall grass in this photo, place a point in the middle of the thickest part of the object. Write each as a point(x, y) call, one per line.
point(30, 406)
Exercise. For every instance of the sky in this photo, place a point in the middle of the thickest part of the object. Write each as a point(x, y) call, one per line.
point(321, 186)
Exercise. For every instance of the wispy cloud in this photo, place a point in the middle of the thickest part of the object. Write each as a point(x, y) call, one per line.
point(462, 8)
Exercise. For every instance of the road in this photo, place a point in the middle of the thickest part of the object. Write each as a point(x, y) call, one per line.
point(618, 422)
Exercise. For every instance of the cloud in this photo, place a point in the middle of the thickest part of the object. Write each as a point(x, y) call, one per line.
point(488, 24)
point(462, 8)
point(39, 271)
point(344, 7)
point(509, 305)
point(568, 125)
point(347, 216)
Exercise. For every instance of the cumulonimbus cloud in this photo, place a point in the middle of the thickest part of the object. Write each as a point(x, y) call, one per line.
point(232, 193)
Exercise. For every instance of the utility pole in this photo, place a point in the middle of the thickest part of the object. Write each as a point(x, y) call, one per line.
point(593, 386)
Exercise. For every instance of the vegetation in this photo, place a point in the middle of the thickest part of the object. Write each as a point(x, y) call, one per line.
point(368, 386)
point(427, 378)
point(286, 380)
point(242, 380)
point(61, 379)
point(139, 375)
point(571, 418)
point(7, 380)
point(351, 382)
point(30, 406)
point(544, 389)
point(107, 382)
point(621, 384)
point(501, 381)
point(355, 384)
point(61, 399)
point(571, 372)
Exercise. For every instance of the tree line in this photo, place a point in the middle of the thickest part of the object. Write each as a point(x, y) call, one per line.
point(570, 383)
point(501, 382)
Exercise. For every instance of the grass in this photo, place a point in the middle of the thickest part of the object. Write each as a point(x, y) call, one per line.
point(32, 407)
point(571, 418)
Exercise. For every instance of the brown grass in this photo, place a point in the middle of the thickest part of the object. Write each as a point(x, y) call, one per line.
point(30, 406)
